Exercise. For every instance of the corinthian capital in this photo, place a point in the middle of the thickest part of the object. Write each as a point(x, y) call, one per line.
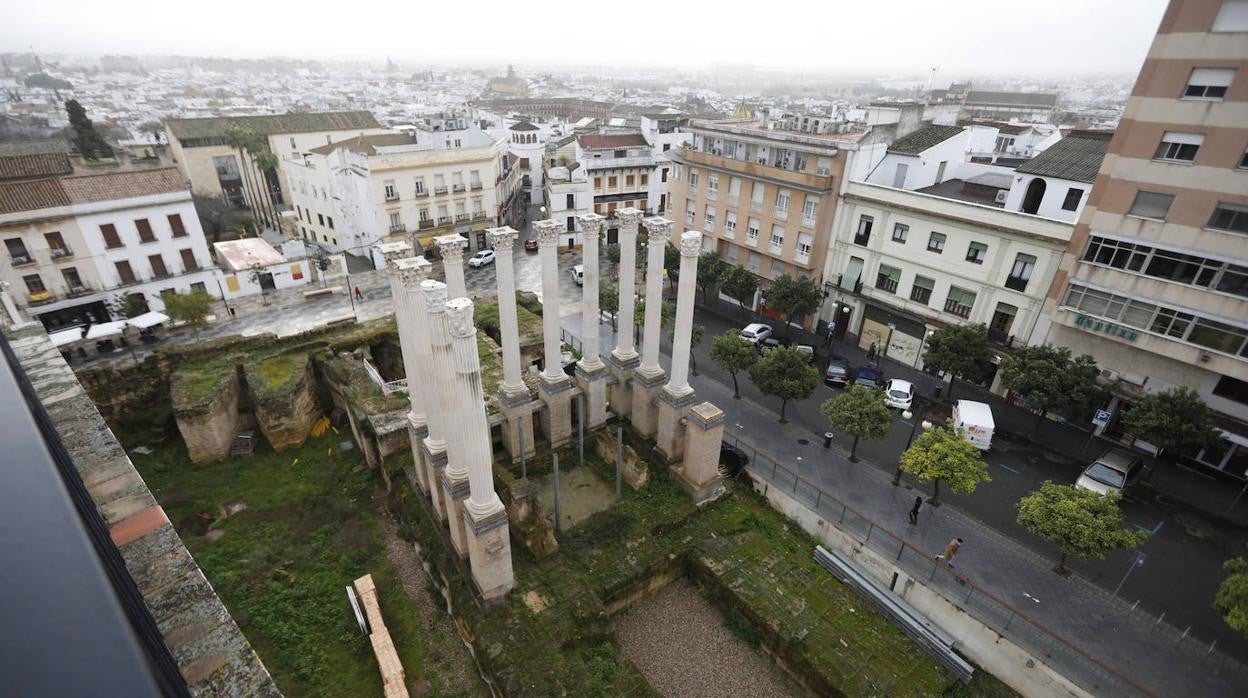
point(435, 295)
point(591, 223)
point(503, 239)
point(547, 233)
point(629, 217)
point(451, 246)
point(411, 271)
point(394, 251)
point(459, 318)
point(658, 229)
point(690, 244)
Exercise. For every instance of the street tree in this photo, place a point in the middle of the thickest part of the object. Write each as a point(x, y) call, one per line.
point(1049, 378)
point(961, 351)
point(734, 355)
point(941, 453)
point(613, 252)
point(1231, 600)
point(323, 262)
point(127, 305)
point(1079, 522)
point(1175, 419)
point(667, 311)
point(91, 145)
point(711, 270)
point(785, 373)
point(860, 412)
point(237, 137)
point(609, 301)
point(794, 297)
point(739, 284)
point(190, 308)
point(215, 215)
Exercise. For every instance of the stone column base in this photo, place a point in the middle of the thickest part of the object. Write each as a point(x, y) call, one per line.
point(593, 382)
point(456, 489)
point(435, 462)
point(518, 412)
point(670, 434)
point(557, 421)
point(646, 387)
point(418, 476)
point(489, 552)
point(621, 402)
point(704, 432)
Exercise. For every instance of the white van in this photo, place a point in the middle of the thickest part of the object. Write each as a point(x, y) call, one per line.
point(578, 274)
point(975, 421)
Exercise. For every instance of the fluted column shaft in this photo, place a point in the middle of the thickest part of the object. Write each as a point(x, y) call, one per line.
point(451, 248)
point(547, 242)
point(443, 370)
point(470, 408)
point(629, 219)
point(422, 343)
point(690, 248)
point(657, 231)
point(591, 228)
point(503, 240)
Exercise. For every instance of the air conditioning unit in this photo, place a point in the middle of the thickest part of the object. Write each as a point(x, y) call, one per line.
point(1000, 198)
point(1109, 375)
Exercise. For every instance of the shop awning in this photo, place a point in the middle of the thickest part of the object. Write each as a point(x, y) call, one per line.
point(104, 330)
point(60, 339)
point(148, 319)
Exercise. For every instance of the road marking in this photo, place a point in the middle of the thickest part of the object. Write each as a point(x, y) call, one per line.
point(1012, 470)
point(1153, 530)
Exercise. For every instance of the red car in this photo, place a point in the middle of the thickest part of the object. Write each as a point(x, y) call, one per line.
point(530, 245)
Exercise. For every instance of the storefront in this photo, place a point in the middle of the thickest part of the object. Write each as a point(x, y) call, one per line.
point(894, 336)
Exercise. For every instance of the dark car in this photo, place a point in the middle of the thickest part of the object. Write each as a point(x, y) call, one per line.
point(732, 460)
point(770, 342)
point(869, 377)
point(837, 373)
point(530, 245)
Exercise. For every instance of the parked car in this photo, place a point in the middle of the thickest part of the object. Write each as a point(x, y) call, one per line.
point(807, 350)
point(481, 259)
point(870, 377)
point(1115, 471)
point(530, 245)
point(770, 342)
point(755, 332)
point(732, 460)
point(837, 373)
point(898, 393)
point(578, 274)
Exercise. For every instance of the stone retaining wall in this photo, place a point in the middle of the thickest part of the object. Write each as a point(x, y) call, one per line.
point(209, 429)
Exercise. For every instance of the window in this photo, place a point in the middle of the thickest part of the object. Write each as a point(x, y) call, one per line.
point(145, 230)
point(111, 239)
point(710, 219)
point(1169, 265)
point(395, 222)
point(976, 253)
point(56, 245)
point(158, 266)
point(1151, 204)
point(188, 260)
point(1243, 160)
point(805, 242)
point(73, 281)
point(959, 302)
point(734, 189)
point(330, 220)
point(570, 222)
point(810, 210)
point(1229, 217)
point(439, 184)
point(921, 291)
point(1179, 147)
point(900, 230)
point(645, 179)
point(391, 192)
point(34, 284)
point(663, 175)
point(175, 224)
point(693, 179)
point(1217, 336)
point(597, 182)
point(226, 167)
point(691, 212)
point(1232, 389)
point(1208, 83)
point(420, 186)
point(1020, 273)
point(863, 235)
point(678, 172)
point(628, 180)
point(756, 197)
point(612, 182)
point(730, 223)
point(936, 243)
point(571, 201)
point(295, 147)
point(1073, 197)
point(1232, 17)
point(17, 251)
point(782, 200)
point(320, 219)
point(888, 278)
point(777, 238)
point(751, 231)
point(712, 185)
point(124, 272)
point(424, 214)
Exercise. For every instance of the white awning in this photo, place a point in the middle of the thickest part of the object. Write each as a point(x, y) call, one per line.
point(60, 339)
point(104, 330)
point(148, 319)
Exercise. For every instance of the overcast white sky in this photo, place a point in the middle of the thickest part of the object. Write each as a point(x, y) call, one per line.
point(961, 37)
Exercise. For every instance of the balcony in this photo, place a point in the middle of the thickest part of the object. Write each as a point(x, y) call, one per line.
point(40, 297)
point(808, 222)
point(76, 291)
point(955, 308)
point(399, 228)
point(919, 294)
point(756, 206)
point(712, 194)
point(479, 215)
point(426, 224)
point(421, 192)
point(802, 257)
point(21, 260)
point(1000, 337)
point(780, 214)
point(730, 229)
point(709, 225)
point(392, 196)
point(60, 252)
point(457, 187)
point(444, 220)
point(460, 217)
point(856, 288)
point(734, 199)
point(1016, 283)
point(613, 163)
point(475, 186)
point(886, 283)
point(689, 217)
point(439, 190)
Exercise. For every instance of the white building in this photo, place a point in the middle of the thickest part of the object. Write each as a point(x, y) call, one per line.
point(528, 143)
point(252, 266)
point(568, 195)
point(78, 243)
point(922, 158)
point(1056, 182)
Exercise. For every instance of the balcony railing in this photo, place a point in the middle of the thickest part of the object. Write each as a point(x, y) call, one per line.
point(756, 206)
point(443, 220)
point(712, 194)
point(392, 196)
point(457, 187)
point(730, 229)
point(808, 222)
point(689, 218)
point(780, 214)
point(474, 186)
point(1000, 337)
point(22, 259)
point(480, 215)
point(60, 252)
point(439, 190)
point(709, 224)
point(886, 283)
point(427, 223)
point(734, 199)
point(1016, 283)
point(919, 294)
point(802, 257)
point(75, 291)
point(398, 228)
point(462, 217)
point(422, 192)
point(954, 307)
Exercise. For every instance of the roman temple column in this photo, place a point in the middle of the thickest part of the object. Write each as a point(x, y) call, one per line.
point(484, 517)
point(455, 477)
point(623, 360)
point(513, 394)
point(553, 386)
point(451, 247)
point(649, 377)
point(431, 425)
point(591, 372)
point(417, 428)
point(677, 395)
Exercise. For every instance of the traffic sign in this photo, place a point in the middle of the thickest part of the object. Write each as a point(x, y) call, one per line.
point(1101, 418)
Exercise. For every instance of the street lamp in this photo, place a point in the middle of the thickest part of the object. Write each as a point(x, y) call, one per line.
point(914, 427)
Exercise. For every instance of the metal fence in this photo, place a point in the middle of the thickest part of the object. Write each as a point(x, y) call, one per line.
point(1010, 622)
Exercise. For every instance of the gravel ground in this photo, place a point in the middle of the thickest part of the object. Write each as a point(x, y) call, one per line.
point(448, 667)
point(682, 647)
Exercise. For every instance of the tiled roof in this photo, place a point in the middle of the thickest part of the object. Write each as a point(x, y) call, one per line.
point(926, 137)
point(214, 127)
point(523, 126)
point(367, 144)
point(41, 145)
point(32, 195)
point(620, 140)
point(1020, 99)
point(34, 165)
point(1076, 159)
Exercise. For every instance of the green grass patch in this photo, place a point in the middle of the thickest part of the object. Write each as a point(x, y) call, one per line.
point(276, 374)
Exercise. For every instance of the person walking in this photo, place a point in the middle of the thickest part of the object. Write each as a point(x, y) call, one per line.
point(914, 511)
point(951, 551)
point(827, 339)
point(358, 296)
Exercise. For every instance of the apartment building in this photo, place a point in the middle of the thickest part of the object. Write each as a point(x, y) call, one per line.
point(201, 149)
point(76, 243)
point(569, 194)
point(1154, 282)
point(764, 197)
point(619, 167)
point(350, 195)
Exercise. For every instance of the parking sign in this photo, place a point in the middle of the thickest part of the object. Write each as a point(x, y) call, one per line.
point(1101, 418)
